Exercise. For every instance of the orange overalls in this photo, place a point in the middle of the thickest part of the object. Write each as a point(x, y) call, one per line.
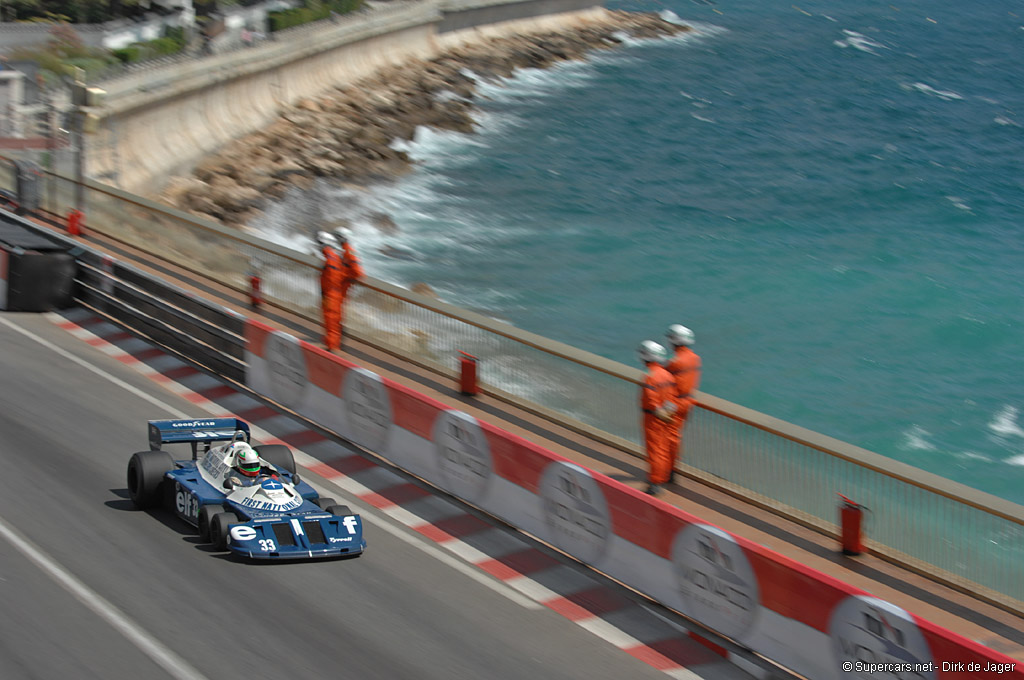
point(351, 271)
point(332, 292)
point(685, 369)
point(337, 276)
point(659, 390)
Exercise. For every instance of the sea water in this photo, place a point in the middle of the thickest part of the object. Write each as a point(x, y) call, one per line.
point(830, 194)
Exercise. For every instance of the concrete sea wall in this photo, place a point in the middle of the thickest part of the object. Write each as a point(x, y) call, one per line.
point(161, 123)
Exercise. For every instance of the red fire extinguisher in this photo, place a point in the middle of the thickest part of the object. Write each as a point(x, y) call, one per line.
point(467, 374)
point(851, 520)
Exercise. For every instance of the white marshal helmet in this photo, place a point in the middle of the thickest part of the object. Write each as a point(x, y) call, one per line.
point(325, 238)
point(678, 334)
point(343, 235)
point(651, 351)
point(245, 459)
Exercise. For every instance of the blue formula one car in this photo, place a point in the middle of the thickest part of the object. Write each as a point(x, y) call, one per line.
point(256, 508)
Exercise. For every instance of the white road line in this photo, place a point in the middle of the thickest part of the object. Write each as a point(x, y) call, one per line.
point(530, 588)
point(95, 369)
point(453, 562)
point(607, 631)
point(147, 644)
point(472, 572)
point(466, 551)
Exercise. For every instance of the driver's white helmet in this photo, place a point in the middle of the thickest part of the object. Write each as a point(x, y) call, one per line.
point(651, 351)
point(679, 335)
point(245, 460)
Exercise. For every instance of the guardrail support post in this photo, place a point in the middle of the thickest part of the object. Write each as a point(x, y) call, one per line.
point(255, 284)
point(75, 222)
point(851, 518)
point(467, 374)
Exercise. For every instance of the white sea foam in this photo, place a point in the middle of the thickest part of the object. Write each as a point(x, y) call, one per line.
point(623, 37)
point(433, 148)
point(1003, 120)
point(916, 438)
point(700, 30)
point(1004, 423)
point(410, 204)
point(859, 41)
point(958, 203)
point(534, 83)
point(947, 95)
point(276, 232)
point(973, 455)
point(671, 17)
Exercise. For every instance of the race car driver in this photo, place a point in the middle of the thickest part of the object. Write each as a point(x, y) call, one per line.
point(246, 466)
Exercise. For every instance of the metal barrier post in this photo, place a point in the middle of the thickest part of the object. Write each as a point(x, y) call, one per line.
point(255, 284)
point(75, 222)
point(851, 517)
point(467, 374)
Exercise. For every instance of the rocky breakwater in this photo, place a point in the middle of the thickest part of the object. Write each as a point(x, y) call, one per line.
point(346, 134)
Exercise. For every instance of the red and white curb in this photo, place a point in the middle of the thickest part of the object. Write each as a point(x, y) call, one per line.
point(541, 577)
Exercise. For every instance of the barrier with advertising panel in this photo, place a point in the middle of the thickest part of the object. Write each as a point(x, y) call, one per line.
point(805, 620)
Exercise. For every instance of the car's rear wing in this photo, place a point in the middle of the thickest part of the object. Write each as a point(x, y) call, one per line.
point(195, 431)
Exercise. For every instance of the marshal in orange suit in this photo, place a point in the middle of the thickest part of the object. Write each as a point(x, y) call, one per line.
point(684, 365)
point(657, 400)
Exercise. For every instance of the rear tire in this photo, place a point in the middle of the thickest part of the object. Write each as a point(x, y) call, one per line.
point(147, 472)
point(324, 503)
point(206, 515)
point(219, 529)
point(340, 510)
point(169, 496)
point(278, 455)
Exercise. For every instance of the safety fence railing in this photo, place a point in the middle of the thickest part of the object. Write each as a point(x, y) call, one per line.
point(962, 536)
point(531, 370)
point(535, 370)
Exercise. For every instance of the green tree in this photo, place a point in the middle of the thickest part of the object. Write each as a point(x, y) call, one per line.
point(76, 11)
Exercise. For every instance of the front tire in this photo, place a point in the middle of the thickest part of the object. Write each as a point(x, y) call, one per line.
point(147, 472)
point(278, 455)
point(340, 510)
point(219, 529)
point(324, 503)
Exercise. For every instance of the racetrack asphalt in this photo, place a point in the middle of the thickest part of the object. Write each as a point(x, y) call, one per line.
point(93, 588)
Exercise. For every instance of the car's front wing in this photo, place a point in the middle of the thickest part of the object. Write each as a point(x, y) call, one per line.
point(298, 537)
